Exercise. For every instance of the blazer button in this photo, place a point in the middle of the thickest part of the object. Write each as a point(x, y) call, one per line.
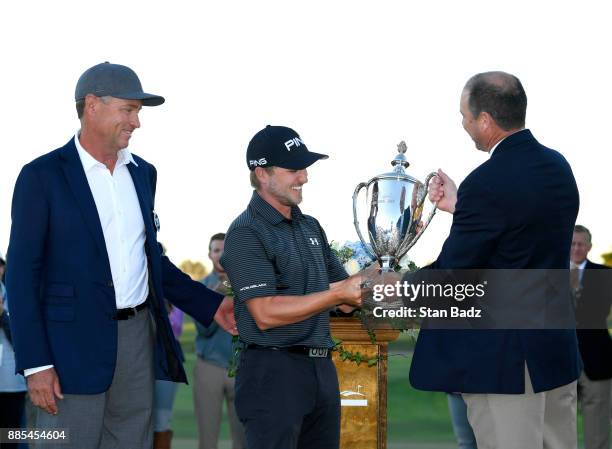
point(110, 284)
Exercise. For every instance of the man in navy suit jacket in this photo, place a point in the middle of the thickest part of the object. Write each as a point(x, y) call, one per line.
point(515, 211)
point(88, 279)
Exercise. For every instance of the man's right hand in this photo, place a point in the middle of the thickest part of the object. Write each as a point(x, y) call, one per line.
point(350, 290)
point(225, 315)
point(443, 190)
point(43, 388)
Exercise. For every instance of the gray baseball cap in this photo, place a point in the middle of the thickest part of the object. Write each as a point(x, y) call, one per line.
point(116, 81)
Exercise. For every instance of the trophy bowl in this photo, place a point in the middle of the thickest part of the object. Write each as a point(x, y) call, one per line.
point(392, 207)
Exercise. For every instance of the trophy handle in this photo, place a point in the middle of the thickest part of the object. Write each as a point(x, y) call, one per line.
point(360, 186)
point(431, 214)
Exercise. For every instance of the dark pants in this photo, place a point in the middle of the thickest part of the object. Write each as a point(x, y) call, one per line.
point(11, 413)
point(288, 401)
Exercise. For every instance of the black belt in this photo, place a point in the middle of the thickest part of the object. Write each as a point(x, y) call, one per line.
point(126, 314)
point(304, 350)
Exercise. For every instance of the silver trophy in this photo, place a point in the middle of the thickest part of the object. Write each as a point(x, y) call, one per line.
point(394, 206)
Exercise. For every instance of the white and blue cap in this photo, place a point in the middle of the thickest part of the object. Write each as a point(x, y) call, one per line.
point(114, 80)
point(279, 146)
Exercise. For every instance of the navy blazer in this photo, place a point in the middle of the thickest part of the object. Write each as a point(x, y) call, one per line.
point(517, 211)
point(592, 309)
point(59, 276)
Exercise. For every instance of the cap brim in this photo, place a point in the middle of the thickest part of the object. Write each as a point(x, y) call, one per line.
point(147, 99)
point(302, 160)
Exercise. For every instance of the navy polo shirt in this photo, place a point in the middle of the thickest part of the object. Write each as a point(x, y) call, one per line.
point(267, 254)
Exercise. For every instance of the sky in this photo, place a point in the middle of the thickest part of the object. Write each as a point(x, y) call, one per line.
point(353, 78)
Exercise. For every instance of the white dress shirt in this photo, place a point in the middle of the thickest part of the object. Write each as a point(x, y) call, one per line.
point(495, 146)
point(122, 225)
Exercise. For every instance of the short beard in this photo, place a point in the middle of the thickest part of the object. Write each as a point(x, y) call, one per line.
point(282, 197)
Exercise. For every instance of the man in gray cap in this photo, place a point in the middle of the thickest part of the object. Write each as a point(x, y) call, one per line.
point(88, 278)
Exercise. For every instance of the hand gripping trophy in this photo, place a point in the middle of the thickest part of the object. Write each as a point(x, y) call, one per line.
point(393, 203)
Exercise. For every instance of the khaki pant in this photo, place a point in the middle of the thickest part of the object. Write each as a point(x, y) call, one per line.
point(545, 420)
point(211, 385)
point(594, 396)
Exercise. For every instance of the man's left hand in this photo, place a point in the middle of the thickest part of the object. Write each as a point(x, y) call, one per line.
point(225, 315)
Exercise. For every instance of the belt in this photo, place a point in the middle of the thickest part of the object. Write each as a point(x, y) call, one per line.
point(304, 350)
point(126, 314)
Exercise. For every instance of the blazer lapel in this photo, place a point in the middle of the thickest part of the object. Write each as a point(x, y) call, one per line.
point(73, 170)
point(144, 198)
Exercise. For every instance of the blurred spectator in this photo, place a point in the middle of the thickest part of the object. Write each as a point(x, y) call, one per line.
point(211, 383)
point(2, 270)
point(461, 426)
point(592, 291)
point(12, 386)
point(165, 391)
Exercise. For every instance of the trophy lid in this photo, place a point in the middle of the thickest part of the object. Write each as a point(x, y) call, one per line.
point(400, 157)
point(400, 164)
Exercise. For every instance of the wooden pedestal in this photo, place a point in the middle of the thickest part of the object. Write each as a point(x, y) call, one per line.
point(363, 388)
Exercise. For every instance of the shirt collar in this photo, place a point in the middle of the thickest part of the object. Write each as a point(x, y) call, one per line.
point(493, 149)
point(580, 266)
point(124, 156)
point(265, 209)
point(497, 144)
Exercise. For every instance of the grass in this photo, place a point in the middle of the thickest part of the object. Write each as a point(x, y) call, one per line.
point(413, 416)
point(417, 416)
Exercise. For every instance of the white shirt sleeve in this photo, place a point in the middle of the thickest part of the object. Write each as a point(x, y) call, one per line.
point(28, 371)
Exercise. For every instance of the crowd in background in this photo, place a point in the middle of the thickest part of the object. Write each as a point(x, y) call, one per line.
point(214, 349)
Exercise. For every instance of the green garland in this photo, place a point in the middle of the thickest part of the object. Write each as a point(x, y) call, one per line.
point(345, 254)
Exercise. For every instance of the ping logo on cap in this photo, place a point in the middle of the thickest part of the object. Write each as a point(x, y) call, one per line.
point(258, 163)
point(295, 142)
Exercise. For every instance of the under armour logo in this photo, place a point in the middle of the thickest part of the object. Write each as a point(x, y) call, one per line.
point(314, 241)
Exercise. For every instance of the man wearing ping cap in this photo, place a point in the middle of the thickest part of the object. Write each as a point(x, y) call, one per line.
point(285, 279)
point(87, 277)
